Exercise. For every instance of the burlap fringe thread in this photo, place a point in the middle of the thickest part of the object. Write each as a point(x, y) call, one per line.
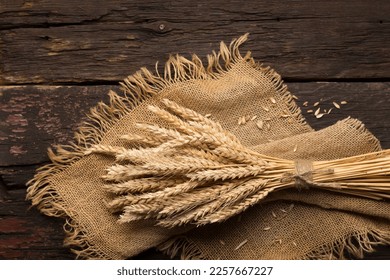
point(136, 89)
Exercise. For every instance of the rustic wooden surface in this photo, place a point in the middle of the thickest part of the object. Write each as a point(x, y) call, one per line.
point(58, 58)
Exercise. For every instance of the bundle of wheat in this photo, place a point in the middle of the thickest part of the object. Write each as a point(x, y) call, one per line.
point(194, 171)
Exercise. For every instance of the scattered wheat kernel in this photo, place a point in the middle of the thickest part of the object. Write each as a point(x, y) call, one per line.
point(267, 228)
point(285, 116)
point(268, 126)
point(243, 119)
point(343, 102)
point(305, 103)
point(310, 111)
point(336, 105)
point(291, 207)
point(319, 116)
point(295, 148)
point(260, 124)
point(295, 97)
point(265, 108)
point(207, 115)
point(317, 111)
point(222, 242)
point(239, 121)
point(283, 210)
point(273, 214)
point(253, 118)
point(330, 110)
point(277, 241)
point(241, 244)
point(295, 244)
point(316, 104)
point(272, 100)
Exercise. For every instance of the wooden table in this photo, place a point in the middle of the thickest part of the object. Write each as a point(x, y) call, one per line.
point(59, 58)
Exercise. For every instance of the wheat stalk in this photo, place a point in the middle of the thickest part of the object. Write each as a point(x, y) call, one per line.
point(194, 171)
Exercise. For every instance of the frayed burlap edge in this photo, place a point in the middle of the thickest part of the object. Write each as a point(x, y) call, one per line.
point(353, 245)
point(362, 129)
point(136, 89)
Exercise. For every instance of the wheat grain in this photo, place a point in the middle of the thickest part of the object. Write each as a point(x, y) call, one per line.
point(143, 140)
point(141, 185)
point(120, 173)
point(336, 105)
point(225, 173)
point(260, 124)
point(277, 240)
point(228, 212)
point(177, 209)
point(241, 244)
point(105, 149)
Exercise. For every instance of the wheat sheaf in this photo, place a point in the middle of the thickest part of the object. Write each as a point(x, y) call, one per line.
point(194, 171)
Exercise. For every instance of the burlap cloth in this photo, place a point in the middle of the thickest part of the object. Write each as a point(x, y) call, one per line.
point(288, 225)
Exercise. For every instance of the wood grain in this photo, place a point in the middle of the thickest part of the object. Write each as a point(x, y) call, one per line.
point(59, 58)
point(27, 234)
point(99, 42)
point(35, 117)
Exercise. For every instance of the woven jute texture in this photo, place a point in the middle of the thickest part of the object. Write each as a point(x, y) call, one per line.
point(288, 225)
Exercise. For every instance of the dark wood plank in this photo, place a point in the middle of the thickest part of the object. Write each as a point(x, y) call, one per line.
point(27, 234)
point(89, 41)
point(34, 117)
